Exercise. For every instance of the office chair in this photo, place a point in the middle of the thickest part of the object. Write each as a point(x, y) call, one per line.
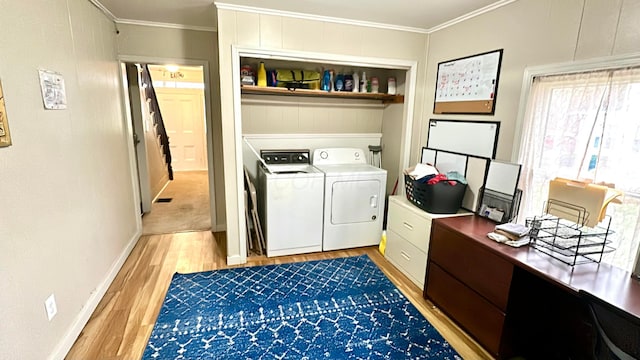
point(617, 331)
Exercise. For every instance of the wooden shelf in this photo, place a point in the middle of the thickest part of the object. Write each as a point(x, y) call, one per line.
point(385, 98)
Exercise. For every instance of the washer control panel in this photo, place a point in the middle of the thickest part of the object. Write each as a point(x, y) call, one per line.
point(285, 156)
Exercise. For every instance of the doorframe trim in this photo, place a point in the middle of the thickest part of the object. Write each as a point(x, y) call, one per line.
point(139, 163)
point(207, 111)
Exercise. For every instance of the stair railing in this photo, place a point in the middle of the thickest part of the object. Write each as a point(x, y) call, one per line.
point(154, 107)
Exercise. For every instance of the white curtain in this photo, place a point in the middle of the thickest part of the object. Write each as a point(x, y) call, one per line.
point(586, 126)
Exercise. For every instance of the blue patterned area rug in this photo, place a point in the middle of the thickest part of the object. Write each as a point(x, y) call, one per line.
point(343, 308)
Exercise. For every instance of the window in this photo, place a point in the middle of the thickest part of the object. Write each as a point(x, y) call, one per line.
point(586, 126)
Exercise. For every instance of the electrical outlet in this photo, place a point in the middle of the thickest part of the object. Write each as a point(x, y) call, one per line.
point(51, 307)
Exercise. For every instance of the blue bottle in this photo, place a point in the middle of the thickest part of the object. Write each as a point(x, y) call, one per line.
point(339, 82)
point(326, 81)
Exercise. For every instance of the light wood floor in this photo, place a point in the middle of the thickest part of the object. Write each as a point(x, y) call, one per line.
point(122, 323)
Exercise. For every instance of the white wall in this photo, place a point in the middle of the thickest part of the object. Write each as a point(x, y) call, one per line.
point(284, 33)
point(533, 32)
point(68, 209)
point(152, 42)
point(391, 151)
point(299, 115)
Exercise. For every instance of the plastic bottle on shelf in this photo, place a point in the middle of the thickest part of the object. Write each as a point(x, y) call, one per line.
point(391, 86)
point(272, 78)
point(375, 85)
point(363, 82)
point(331, 80)
point(356, 82)
point(262, 75)
point(348, 82)
point(339, 82)
point(326, 80)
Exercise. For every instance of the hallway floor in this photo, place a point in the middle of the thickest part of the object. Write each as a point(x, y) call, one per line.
point(188, 209)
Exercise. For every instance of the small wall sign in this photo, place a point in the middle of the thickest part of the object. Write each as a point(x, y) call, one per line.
point(53, 93)
point(5, 136)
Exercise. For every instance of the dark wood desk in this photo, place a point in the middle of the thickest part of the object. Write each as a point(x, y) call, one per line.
point(517, 300)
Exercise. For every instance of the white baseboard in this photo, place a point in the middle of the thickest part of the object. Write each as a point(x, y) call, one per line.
point(236, 260)
point(81, 320)
point(161, 190)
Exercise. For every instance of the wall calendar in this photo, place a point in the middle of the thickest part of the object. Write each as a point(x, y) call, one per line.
point(468, 85)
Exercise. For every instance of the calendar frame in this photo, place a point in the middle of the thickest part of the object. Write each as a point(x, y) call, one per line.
point(481, 72)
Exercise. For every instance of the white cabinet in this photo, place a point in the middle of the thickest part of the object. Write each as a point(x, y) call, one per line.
point(408, 233)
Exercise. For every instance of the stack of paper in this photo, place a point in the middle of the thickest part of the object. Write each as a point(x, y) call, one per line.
point(511, 234)
point(513, 230)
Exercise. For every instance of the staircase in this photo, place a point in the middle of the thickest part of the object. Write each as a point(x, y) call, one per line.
point(152, 100)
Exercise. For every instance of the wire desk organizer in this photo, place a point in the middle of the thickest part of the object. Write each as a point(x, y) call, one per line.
point(569, 241)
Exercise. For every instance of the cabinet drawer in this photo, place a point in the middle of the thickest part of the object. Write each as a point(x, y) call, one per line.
point(406, 257)
point(486, 273)
point(409, 225)
point(475, 314)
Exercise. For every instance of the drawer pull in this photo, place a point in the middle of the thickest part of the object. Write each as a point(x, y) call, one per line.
point(405, 255)
point(407, 225)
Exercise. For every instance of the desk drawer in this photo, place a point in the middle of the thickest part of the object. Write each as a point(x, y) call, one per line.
point(409, 225)
point(483, 271)
point(475, 314)
point(406, 257)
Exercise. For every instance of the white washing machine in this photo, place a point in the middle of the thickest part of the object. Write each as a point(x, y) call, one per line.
point(292, 199)
point(354, 196)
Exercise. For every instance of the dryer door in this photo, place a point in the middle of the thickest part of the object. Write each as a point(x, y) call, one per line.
point(355, 201)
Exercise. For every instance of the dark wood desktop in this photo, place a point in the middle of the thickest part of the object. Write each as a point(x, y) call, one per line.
point(518, 301)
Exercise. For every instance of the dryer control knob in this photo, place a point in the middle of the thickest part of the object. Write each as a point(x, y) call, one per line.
point(323, 154)
point(357, 154)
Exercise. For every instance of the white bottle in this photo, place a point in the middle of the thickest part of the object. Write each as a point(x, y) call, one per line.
point(363, 82)
point(356, 82)
point(331, 80)
point(391, 86)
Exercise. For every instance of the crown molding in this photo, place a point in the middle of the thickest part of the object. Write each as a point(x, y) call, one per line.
point(232, 7)
point(164, 25)
point(296, 15)
point(470, 15)
point(104, 10)
point(117, 20)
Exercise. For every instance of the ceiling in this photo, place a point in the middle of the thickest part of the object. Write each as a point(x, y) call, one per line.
point(416, 15)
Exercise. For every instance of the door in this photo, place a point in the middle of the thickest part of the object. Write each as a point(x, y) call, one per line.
point(355, 201)
point(183, 115)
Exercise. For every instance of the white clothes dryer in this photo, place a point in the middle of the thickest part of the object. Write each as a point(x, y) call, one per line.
point(292, 199)
point(354, 196)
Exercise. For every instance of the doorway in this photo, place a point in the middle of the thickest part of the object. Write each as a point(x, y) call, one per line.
point(184, 203)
